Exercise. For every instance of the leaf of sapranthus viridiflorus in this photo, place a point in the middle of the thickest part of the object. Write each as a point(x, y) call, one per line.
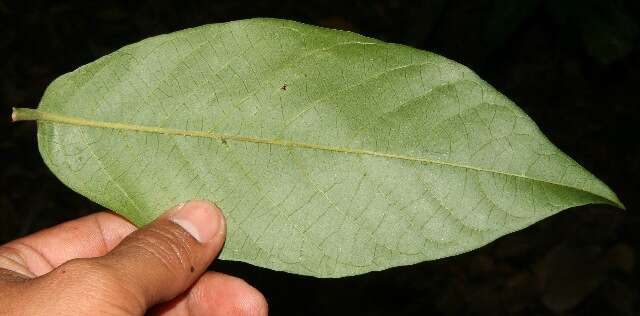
point(330, 153)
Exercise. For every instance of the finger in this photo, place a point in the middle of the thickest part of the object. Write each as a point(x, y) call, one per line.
point(216, 294)
point(166, 257)
point(152, 265)
point(90, 236)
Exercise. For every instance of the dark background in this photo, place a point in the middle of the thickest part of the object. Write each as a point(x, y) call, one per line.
point(573, 66)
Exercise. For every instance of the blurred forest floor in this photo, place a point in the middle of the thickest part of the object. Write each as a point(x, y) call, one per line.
point(572, 65)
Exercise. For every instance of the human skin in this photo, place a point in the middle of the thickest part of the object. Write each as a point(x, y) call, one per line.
point(102, 265)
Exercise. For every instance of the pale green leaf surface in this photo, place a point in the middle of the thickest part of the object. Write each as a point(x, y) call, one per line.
point(330, 153)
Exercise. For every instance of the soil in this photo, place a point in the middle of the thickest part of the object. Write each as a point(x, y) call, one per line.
point(573, 66)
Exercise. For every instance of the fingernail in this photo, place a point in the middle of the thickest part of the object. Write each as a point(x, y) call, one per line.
point(200, 219)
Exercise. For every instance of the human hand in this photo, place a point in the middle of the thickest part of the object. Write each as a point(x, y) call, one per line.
point(101, 265)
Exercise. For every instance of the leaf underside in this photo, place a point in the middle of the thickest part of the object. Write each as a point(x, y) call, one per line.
point(330, 153)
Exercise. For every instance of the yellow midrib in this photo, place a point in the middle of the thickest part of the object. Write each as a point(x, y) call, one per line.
point(24, 114)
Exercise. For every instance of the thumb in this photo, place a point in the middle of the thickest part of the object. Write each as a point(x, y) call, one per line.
point(164, 258)
point(155, 263)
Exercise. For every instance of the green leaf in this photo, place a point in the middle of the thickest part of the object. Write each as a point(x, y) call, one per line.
point(330, 153)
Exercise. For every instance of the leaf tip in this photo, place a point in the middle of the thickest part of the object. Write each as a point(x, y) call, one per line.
point(621, 206)
point(615, 201)
point(13, 114)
